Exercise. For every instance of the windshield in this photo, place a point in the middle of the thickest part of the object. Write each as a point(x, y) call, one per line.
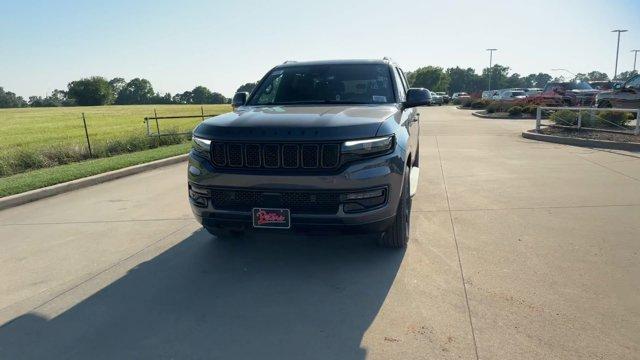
point(318, 84)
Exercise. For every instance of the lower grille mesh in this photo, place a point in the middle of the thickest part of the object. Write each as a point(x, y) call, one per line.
point(297, 201)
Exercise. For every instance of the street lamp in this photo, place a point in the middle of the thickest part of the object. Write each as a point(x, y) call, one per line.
point(615, 72)
point(491, 64)
point(635, 57)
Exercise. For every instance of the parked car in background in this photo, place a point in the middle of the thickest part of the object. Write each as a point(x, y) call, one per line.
point(566, 94)
point(436, 99)
point(626, 95)
point(510, 95)
point(604, 85)
point(445, 97)
point(532, 91)
point(489, 94)
point(460, 95)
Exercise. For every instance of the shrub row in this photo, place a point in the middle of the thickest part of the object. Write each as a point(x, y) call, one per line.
point(22, 160)
point(606, 119)
point(514, 108)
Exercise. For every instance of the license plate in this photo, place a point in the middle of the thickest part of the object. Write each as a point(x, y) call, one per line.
point(271, 218)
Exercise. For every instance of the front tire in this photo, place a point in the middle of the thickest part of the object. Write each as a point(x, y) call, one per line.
point(397, 235)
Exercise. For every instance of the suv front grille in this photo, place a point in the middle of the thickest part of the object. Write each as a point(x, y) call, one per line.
point(299, 202)
point(275, 156)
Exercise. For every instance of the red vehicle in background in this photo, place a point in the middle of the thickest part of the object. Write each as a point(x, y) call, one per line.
point(566, 94)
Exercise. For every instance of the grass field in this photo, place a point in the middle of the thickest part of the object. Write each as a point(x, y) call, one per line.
point(34, 138)
point(42, 127)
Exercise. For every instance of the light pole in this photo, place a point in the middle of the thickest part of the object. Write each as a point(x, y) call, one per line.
point(615, 72)
point(635, 58)
point(491, 64)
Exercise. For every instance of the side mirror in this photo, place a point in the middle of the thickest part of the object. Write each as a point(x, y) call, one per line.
point(239, 99)
point(417, 97)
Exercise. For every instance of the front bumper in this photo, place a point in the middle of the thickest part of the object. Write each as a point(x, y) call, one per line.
point(384, 172)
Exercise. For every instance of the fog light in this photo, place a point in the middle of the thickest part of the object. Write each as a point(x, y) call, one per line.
point(362, 201)
point(197, 198)
point(363, 195)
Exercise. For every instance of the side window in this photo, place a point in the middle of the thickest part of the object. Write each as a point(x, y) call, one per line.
point(270, 90)
point(400, 85)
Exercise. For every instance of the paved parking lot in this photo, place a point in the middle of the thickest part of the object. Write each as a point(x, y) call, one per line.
point(519, 250)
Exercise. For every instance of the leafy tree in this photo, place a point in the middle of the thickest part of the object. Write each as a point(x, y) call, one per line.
point(117, 84)
point(90, 91)
point(57, 98)
point(498, 74)
point(541, 80)
point(430, 77)
point(184, 98)
point(217, 98)
point(462, 79)
point(581, 77)
point(626, 75)
point(200, 95)
point(136, 91)
point(10, 100)
point(597, 76)
point(248, 87)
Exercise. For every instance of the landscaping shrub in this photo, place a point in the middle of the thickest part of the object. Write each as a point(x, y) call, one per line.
point(530, 109)
point(456, 102)
point(614, 119)
point(480, 104)
point(493, 107)
point(466, 103)
point(565, 117)
point(515, 111)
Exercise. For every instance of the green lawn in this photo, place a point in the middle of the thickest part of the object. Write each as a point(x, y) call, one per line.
point(36, 179)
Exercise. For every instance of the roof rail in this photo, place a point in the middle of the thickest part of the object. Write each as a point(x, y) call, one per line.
point(290, 62)
point(386, 58)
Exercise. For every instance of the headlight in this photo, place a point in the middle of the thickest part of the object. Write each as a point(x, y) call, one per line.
point(201, 145)
point(368, 147)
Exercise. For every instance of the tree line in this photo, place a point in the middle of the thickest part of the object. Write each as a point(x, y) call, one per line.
point(97, 90)
point(458, 79)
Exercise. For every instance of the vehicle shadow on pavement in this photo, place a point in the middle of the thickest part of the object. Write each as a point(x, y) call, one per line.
point(293, 297)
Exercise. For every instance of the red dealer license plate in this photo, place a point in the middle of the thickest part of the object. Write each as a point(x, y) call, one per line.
point(271, 218)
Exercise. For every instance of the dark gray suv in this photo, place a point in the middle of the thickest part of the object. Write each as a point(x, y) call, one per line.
point(327, 145)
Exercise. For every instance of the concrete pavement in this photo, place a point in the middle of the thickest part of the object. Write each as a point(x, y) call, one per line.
point(519, 250)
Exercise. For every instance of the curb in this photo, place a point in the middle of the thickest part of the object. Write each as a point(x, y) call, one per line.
point(37, 194)
point(603, 144)
point(485, 116)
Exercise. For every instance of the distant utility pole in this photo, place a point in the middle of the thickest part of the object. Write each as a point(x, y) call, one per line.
point(491, 65)
point(635, 58)
point(615, 72)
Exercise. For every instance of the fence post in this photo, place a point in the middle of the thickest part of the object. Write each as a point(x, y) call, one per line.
point(202, 112)
point(538, 116)
point(579, 119)
point(146, 120)
point(155, 113)
point(86, 133)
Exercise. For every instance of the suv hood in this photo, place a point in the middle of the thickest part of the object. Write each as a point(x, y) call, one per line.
point(297, 123)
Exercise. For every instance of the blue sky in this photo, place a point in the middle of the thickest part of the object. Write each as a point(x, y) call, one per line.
point(223, 44)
